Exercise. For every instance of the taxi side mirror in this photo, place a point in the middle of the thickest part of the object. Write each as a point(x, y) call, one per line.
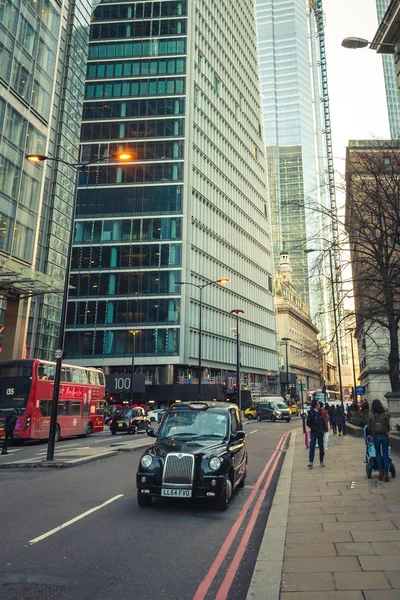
point(152, 433)
point(239, 435)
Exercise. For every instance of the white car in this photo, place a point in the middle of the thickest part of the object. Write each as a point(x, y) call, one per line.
point(155, 416)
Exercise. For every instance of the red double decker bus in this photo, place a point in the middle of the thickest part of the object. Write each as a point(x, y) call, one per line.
point(28, 385)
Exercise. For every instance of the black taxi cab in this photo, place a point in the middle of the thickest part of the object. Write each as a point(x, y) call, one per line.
point(200, 452)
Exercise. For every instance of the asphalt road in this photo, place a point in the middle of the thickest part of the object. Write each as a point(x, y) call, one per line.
point(176, 550)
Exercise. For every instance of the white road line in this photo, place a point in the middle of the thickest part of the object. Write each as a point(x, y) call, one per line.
point(74, 520)
point(253, 431)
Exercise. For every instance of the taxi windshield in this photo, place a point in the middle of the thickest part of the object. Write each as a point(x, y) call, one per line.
point(194, 424)
point(280, 405)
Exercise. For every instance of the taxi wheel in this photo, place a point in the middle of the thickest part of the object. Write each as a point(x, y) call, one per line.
point(222, 503)
point(143, 500)
point(258, 418)
point(113, 433)
point(273, 419)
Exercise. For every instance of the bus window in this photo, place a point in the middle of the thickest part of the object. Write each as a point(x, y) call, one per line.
point(94, 377)
point(101, 377)
point(46, 372)
point(76, 375)
point(84, 376)
point(74, 408)
point(66, 374)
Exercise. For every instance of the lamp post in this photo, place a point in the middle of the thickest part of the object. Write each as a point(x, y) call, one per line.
point(200, 287)
point(350, 330)
point(238, 312)
point(286, 341)
point(336, 331)
point(133, 333)
point(59, 353)
point(302, 404)
point(355, 43)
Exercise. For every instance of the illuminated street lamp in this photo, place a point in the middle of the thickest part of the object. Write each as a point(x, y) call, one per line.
point(124, 156)
point(201, 287)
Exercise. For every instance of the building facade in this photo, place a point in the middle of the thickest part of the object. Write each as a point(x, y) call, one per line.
point(293, 104)
point(43, 50)
point(300, 355)
point(372, 199)
point(175, 83)
point(389, 71)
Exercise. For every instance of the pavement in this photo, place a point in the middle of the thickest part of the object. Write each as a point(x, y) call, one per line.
point(341, 540)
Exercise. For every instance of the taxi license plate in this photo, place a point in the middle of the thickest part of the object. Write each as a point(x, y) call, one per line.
point(176, 493)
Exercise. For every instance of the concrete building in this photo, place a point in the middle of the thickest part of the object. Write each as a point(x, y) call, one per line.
point(43, 49)
point(176, 83)
point(389, 71)
point(296, 330)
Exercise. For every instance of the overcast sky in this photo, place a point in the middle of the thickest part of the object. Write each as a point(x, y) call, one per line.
point(355, 77)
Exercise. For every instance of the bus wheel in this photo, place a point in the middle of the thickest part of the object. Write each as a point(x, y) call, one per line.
point(89, 429)
point(58, 435)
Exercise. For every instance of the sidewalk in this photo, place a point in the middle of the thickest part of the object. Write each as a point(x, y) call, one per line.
point(343, 530)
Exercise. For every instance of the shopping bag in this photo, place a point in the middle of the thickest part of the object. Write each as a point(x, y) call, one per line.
point(326, 440)
point(307, 438)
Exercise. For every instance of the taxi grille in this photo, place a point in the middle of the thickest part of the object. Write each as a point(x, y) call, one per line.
point(178, 469)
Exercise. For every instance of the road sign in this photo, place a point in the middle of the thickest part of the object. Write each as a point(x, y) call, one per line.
point(58, 354)
point(360, 390)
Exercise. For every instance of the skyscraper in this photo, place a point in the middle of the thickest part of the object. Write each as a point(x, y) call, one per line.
point(176, 83)
point(43, 50)
point(391, 84)
point(296, 122)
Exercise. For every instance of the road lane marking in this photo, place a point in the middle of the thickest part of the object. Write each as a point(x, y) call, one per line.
point(204, 586)
point(234, 566)
point(255, 431)
point(74, 520)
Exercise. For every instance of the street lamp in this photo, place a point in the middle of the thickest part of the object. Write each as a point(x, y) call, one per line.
point(124, 156)
point(286, 340)
point(238, 312)
point(351, 330)
point(355, 43)
point(201, 287)
point(133, 333)
point(336, 329)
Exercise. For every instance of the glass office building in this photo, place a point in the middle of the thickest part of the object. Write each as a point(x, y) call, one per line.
point(43, 49)
point(391, 83)
point(176, 84)
point(296, 153)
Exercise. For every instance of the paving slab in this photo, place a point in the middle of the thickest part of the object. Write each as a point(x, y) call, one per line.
point(354, 549)
point(381, 595)
point(386, 547)
point(380, 563)
point(354, 595)
point(313, 550)
point(320, 537)
point(321, 564)
point(359, 526)
point(307, 582)
point(360, 580)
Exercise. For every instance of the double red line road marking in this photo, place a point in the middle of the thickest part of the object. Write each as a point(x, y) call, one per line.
point(223, 591)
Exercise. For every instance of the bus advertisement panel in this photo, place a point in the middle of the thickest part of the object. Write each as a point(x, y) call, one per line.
point(28, 385)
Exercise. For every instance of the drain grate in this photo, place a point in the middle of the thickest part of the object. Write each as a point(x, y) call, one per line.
point(18, 591)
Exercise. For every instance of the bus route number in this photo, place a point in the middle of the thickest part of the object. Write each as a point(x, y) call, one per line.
point(10, 392)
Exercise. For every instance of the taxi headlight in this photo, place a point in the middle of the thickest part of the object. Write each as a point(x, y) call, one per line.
point(215, 463)
point(146, 461)
point(278, 412)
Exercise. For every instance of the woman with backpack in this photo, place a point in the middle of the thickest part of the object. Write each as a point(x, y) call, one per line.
point(379, 427)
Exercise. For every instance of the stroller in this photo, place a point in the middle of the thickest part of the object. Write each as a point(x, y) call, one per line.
point(370, 456)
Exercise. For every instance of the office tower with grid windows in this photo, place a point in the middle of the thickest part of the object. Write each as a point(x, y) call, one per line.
point(295, 107)
point(175, 82)
point(43, 50)
point(391, 84)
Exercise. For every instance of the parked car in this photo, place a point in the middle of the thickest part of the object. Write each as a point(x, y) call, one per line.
point(250, 412)
point(129, 420)
point(200, 452)
point(156, 415)
point(273, 408)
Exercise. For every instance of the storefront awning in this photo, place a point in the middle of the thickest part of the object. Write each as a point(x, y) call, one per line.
point(18, 281)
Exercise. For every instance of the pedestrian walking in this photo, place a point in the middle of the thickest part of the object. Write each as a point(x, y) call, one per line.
point(9, 426)
point(316, 422)
point(331, 413)
point(338, 418)
point(379, 427)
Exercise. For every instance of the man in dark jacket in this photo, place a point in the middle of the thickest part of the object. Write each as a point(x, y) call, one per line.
point(9, 426)
point(316, 422)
